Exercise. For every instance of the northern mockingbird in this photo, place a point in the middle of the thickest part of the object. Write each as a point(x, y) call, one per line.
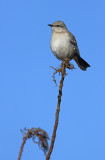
point(64, 45)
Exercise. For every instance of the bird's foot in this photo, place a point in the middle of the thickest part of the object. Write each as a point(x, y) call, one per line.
point(68, 64)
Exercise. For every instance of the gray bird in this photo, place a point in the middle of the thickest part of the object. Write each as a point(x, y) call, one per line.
point(64, 45)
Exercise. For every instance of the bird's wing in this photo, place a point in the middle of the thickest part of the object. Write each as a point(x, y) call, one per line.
point(74, 43)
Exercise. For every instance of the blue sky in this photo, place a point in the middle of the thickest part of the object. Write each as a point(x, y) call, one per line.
point(28, 96)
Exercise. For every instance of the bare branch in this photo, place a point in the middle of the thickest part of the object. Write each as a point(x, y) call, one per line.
point(36, 134)
point(61, 70)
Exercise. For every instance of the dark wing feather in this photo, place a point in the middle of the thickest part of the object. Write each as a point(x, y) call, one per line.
point(74, 43)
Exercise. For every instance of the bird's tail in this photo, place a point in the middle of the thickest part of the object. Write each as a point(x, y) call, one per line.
point(81, 63)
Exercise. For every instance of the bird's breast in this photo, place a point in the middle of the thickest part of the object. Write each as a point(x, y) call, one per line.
point(60, 45)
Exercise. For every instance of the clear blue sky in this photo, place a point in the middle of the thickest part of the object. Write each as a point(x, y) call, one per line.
point(28, 96)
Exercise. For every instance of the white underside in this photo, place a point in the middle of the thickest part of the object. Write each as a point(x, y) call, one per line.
point(61, 46)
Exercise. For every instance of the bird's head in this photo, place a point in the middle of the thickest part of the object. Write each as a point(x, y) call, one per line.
point(58, 26)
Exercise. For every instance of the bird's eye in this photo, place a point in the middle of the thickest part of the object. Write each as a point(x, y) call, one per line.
point(58, 25)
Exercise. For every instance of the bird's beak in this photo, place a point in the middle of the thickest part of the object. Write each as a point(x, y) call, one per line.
point(50, 25)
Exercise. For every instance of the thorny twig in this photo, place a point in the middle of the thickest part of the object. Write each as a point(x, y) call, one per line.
point(65, 64)
point(40, 134)
point(34, 133)
point(59, 70)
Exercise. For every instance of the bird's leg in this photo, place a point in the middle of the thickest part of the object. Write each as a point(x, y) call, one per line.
point(68, 64)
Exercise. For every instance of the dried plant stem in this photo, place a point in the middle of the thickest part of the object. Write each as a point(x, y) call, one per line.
point(38, 135)
point(63, 72)
point(22, 146)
